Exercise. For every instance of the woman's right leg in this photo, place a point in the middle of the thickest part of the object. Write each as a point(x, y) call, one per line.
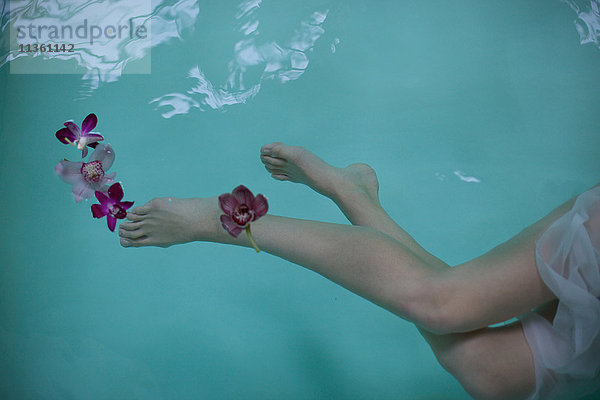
point(491, 362)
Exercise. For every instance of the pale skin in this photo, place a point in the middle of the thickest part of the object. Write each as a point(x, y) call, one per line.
point(377, 259)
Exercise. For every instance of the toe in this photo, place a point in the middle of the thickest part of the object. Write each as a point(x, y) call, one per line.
point(139, 242)
point(134, 217)
point(141, 210)
point(271, 148)
point(280, 177)
point(274, 170)
point(130, 234)
point(130, 226)
point(290, 154)
point(276, 161)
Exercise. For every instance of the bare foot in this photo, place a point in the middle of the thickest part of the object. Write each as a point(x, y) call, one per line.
point(166, 221)
point(351, 188)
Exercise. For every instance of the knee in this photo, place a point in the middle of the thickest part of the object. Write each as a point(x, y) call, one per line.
point(442, 321)
point(435, 308)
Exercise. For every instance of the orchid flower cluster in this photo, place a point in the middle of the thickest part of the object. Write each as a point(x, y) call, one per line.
point(91, 178)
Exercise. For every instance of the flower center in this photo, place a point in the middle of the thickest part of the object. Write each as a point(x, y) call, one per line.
point(92, 172)
point(117, 211)
point(242, 215)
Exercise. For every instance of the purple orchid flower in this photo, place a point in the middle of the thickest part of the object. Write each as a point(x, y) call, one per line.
point(80, 138)
point(88, 177)
point(241, 208)
point(111, 206)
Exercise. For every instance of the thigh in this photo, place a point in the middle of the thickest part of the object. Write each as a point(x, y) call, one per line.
point(488, 363)
point(500, 284)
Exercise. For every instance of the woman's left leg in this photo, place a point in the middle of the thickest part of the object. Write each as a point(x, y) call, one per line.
point(490, 362)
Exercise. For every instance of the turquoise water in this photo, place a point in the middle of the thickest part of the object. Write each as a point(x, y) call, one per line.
point(479, 118)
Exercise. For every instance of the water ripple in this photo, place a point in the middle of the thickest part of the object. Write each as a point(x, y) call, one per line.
point(255, 57)
point(281, 60)
point(588, 20)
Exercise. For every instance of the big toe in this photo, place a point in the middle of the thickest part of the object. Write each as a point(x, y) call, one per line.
point(272, 149)
point(140, 210)
point(282, 151)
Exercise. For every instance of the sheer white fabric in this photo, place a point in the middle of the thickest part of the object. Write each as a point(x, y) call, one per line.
point(567, 352)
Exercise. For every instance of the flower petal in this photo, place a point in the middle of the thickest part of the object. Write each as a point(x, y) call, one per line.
point(260, 206)
point(112, 222)
point(84, 152)
point(108, 180)
point(64, 134)
point(97, 211)
point(126, 204)
point(89, 123)
point(115, 192)
point(73, 128)
point(231, 227)
point(103, 189)
point(92, 138)
point(103, 199)
point(82, 191)
point(69, 171)
point(243, 195)
point(227, 203)
point(105, 154)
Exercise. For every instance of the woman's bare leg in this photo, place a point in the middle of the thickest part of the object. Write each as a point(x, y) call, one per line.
point(488, 362)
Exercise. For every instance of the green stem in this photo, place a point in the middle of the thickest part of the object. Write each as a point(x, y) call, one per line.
point(252, 242)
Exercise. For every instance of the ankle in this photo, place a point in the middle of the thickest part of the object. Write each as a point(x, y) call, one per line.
point(354, 197)
point(208, 223)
